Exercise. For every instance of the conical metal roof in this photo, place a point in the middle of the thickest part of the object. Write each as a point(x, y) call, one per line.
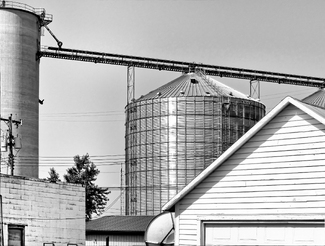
point(317, 98)
point(193, 84)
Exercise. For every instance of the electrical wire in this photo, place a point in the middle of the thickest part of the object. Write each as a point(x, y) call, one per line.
point(99, 160)
point(103, 116)
point(113, 202)
point(92, 113)
point(280, 95)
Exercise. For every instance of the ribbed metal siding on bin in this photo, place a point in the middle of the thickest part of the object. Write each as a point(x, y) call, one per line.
point(169, 141)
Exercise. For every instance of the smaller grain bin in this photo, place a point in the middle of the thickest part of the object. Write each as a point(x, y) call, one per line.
point(317, 98)
point(176, 131)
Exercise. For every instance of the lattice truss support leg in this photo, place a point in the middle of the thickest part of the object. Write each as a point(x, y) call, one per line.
point(130, 83)
point(255, 89)
point(132, 164)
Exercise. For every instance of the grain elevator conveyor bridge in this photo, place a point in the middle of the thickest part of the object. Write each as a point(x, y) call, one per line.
point(180, 66)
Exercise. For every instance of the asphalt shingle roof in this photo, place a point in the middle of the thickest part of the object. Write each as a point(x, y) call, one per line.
point(119, 224)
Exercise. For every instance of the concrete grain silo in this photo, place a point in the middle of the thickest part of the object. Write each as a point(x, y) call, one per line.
point(20, 31)
point(175, 132)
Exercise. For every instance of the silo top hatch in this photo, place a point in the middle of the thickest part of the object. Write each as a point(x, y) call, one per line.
point(193, 84)
point(40, 12)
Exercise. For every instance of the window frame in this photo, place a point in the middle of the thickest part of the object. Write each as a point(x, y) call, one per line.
point(17, 227)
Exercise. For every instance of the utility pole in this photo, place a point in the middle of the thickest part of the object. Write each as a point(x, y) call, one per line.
point(1, 223)
point(10, 141)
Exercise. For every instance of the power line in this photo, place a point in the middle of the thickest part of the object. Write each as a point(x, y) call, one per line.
point(86, 113)
point(280, 95)
point(85, 121)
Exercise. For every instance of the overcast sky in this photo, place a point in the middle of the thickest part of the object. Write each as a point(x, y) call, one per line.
point(83, 111)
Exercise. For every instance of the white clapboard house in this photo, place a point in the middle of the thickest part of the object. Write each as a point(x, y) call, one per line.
point(266, 189)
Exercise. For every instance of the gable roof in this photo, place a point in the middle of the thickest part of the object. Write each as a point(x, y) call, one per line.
point(312, 110)
point(119, 224)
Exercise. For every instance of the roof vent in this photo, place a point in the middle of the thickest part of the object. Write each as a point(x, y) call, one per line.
point(208, 93)
point(194, 81)
point(182, 93)
point(230, 93)
point(159, 93)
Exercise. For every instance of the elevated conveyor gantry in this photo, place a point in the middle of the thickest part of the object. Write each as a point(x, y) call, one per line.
point(180, 66)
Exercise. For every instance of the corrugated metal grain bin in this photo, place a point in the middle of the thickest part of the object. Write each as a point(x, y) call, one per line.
point(176, 131)
point(317, 98)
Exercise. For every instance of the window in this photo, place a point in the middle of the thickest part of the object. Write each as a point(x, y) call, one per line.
point(16, 235)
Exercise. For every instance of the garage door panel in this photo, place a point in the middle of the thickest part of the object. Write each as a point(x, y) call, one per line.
point(264, 234)
point(220, 234)
point(247, 234)
point(274, 234)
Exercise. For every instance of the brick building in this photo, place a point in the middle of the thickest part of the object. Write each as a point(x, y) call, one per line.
point(37, 212)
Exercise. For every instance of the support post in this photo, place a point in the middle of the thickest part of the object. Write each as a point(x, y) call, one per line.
point(122, 192)
point(10, 144)
point(130, 84)
point(11, 141)
point(254, 89)
point(1, 222)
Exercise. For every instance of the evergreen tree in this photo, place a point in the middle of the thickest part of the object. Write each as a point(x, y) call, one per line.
point(85, 172)
point(54, 176)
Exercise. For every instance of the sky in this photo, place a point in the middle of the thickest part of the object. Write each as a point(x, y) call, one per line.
point(83, 110)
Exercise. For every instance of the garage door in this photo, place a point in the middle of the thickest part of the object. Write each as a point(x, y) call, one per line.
point(264, 234)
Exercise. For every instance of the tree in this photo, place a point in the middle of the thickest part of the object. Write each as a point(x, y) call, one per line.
point(85, 172)
point(54, 176)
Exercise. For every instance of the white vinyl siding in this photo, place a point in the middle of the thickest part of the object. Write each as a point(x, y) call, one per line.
point(115, 240)
point(280, 171)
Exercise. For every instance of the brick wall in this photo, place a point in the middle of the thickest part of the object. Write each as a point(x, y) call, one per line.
point(48, 212)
